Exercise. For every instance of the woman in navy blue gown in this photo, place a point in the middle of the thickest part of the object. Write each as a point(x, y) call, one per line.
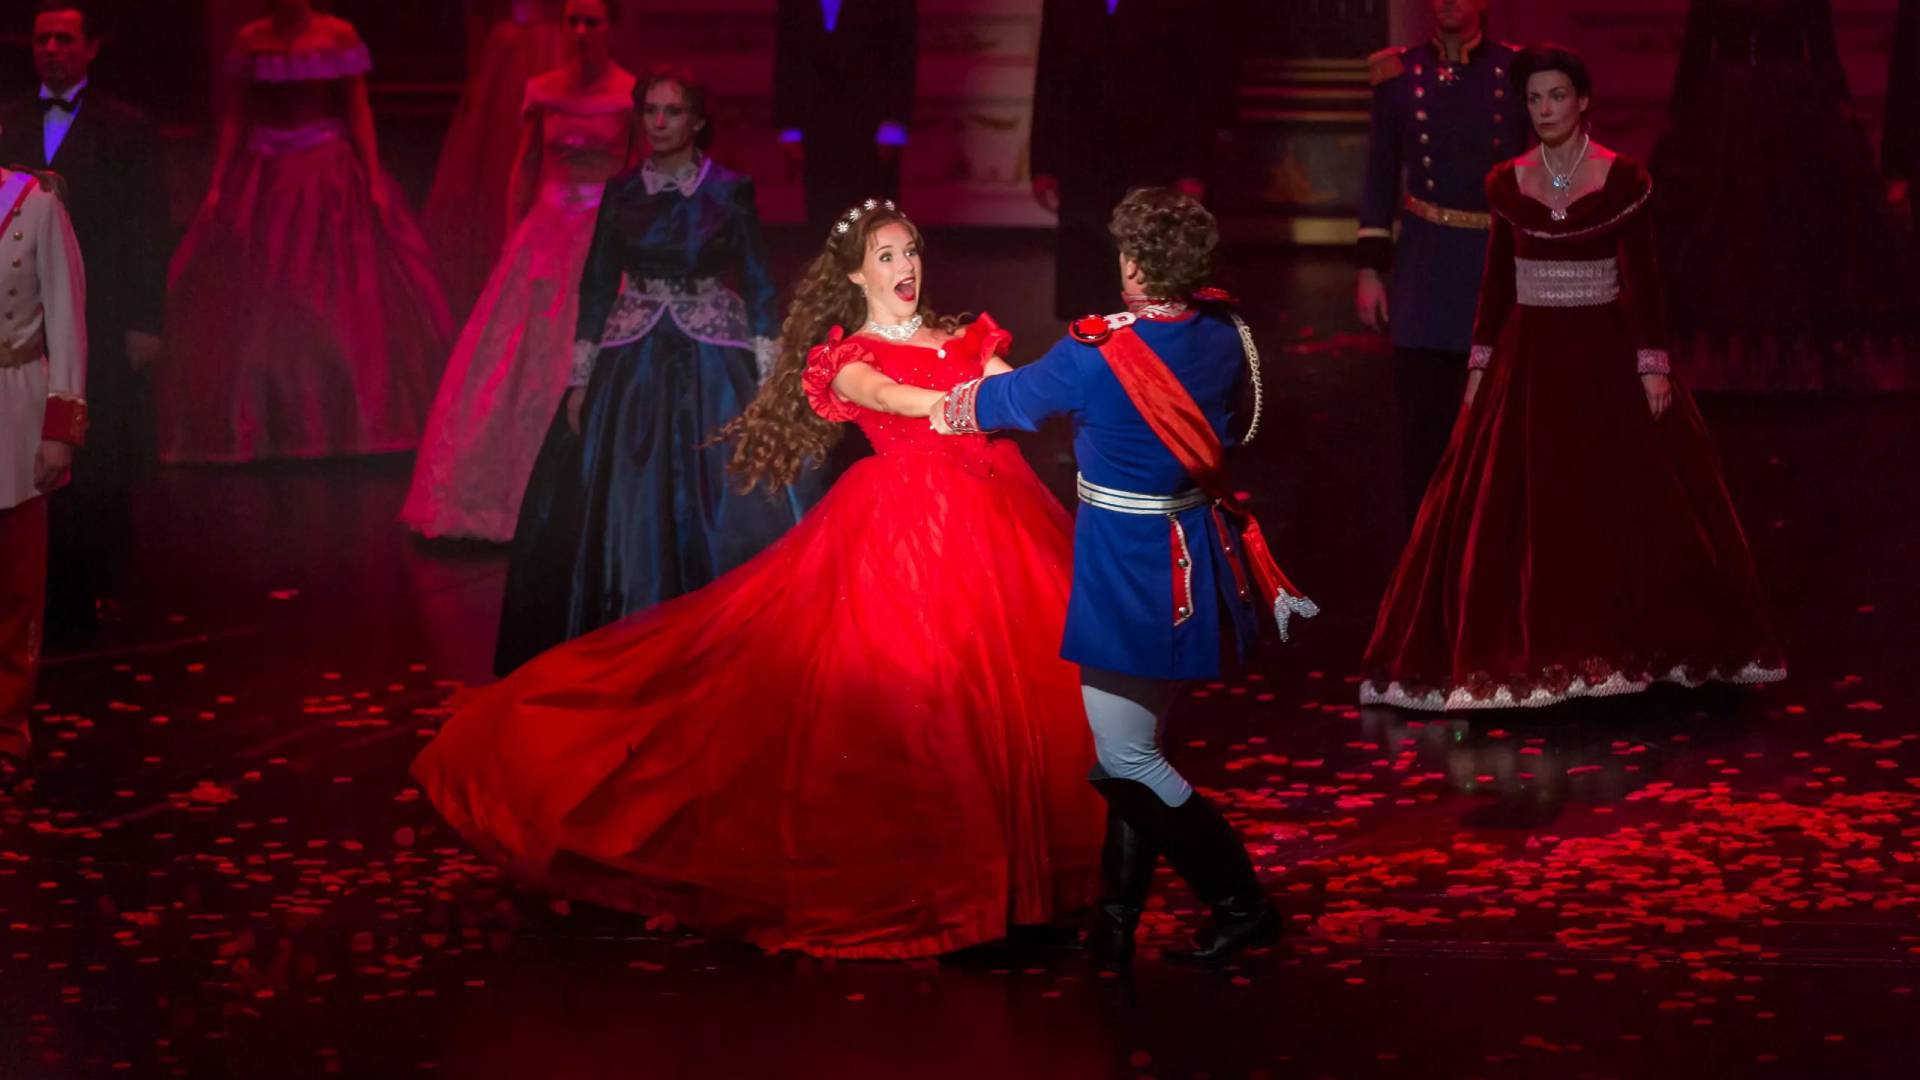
point(629, 502)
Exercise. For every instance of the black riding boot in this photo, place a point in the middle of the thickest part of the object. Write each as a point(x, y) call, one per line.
point(1208, 852)
point(1127, 861)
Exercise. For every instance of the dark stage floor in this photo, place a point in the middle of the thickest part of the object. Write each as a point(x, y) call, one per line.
point(222, 869)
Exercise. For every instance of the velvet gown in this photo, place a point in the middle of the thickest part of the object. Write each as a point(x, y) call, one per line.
point(1570, 544)
point(637, 507)
point(860, 744)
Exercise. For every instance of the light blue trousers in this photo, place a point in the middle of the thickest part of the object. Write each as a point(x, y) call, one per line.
point(1126, 713)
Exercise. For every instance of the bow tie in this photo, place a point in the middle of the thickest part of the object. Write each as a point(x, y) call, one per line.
point(50, 103)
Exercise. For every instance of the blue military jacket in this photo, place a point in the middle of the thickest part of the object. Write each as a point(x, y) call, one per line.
point(1122, 613)
point(1438, 129)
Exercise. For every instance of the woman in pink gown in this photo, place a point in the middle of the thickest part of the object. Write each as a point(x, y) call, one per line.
point(467, 214)
point(861, 743)
point(304, 318)
point(511, 365)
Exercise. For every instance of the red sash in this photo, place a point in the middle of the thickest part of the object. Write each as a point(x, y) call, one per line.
point(1176, 418)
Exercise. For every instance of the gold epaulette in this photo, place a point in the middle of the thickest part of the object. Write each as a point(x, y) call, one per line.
point(1386, 65)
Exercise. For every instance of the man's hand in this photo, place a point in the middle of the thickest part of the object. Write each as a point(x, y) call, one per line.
point(1046, 192)
point(51, 464)
point(1370, 300)
point(938, 418)
point(142, 349)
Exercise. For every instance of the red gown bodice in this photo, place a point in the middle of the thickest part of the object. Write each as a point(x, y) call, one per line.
point(941, 368)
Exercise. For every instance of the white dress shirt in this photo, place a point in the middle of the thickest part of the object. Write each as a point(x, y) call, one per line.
point(57, 122)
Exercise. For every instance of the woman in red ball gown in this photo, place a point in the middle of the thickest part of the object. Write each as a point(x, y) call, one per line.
point(859, 744)
point(1577, 539)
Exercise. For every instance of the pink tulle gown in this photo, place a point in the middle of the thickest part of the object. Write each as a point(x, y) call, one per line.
point(466, 209)
point(862, 743)
point(509, 370)
point(302, 321)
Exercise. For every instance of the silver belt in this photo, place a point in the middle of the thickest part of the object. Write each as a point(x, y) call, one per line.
point(1566, 283)
point(1127, 502)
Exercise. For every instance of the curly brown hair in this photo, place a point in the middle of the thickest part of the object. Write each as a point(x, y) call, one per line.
point(779, 434)
point(1170, 235)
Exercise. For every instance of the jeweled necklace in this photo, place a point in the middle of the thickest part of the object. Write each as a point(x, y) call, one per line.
point(1563, 182)
point(900, 332)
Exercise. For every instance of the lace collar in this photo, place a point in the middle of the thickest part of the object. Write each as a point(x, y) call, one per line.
point(687, 179)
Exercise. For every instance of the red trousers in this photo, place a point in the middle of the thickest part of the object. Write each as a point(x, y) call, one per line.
point(23, 600)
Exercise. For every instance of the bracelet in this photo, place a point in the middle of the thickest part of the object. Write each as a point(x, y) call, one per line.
point(957, 408)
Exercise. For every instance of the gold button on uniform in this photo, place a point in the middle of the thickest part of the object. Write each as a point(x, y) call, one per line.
point(1427, 161)
point(1421, 115)
point(1425, 138)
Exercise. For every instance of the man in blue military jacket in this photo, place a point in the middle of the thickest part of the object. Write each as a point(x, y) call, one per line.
point(1161, 593)
point(1443, 117)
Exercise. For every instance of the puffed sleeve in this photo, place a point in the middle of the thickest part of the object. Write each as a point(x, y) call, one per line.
point(824, 362)
point(1640, 284)
point(63, 301)
point(1496, 286)
point(1024, 399)
point(986, 337)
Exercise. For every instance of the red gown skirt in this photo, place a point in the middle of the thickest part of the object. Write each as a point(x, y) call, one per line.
point(860, 744)
point(1570, 545)
point(300, 323)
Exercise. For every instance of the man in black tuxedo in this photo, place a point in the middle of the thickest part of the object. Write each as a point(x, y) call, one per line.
point(843, 74)
point(1126, 93)
point(106, 152)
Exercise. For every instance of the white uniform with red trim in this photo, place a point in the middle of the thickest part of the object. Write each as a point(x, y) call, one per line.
point(43, 331)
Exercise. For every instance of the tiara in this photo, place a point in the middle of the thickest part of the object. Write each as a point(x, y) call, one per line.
point(852, 217)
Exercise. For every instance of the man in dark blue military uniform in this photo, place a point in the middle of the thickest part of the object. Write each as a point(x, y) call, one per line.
point(1443, 117)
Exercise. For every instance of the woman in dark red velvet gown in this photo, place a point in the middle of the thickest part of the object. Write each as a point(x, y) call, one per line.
point(1577, 539)
point(862, 742)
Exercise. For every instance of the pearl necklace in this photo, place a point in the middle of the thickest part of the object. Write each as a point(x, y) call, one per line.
point(1563, 182)
point(897, 332)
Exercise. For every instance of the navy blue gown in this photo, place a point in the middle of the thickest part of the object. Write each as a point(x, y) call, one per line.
point(638, 508)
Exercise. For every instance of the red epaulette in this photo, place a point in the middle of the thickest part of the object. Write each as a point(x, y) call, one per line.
point(1386, 65)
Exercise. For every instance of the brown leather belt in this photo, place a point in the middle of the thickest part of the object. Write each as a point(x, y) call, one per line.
point(1452, 219)
point(21, 356)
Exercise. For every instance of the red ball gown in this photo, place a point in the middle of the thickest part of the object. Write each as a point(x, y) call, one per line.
point(859, 744)
point(1570, 545)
